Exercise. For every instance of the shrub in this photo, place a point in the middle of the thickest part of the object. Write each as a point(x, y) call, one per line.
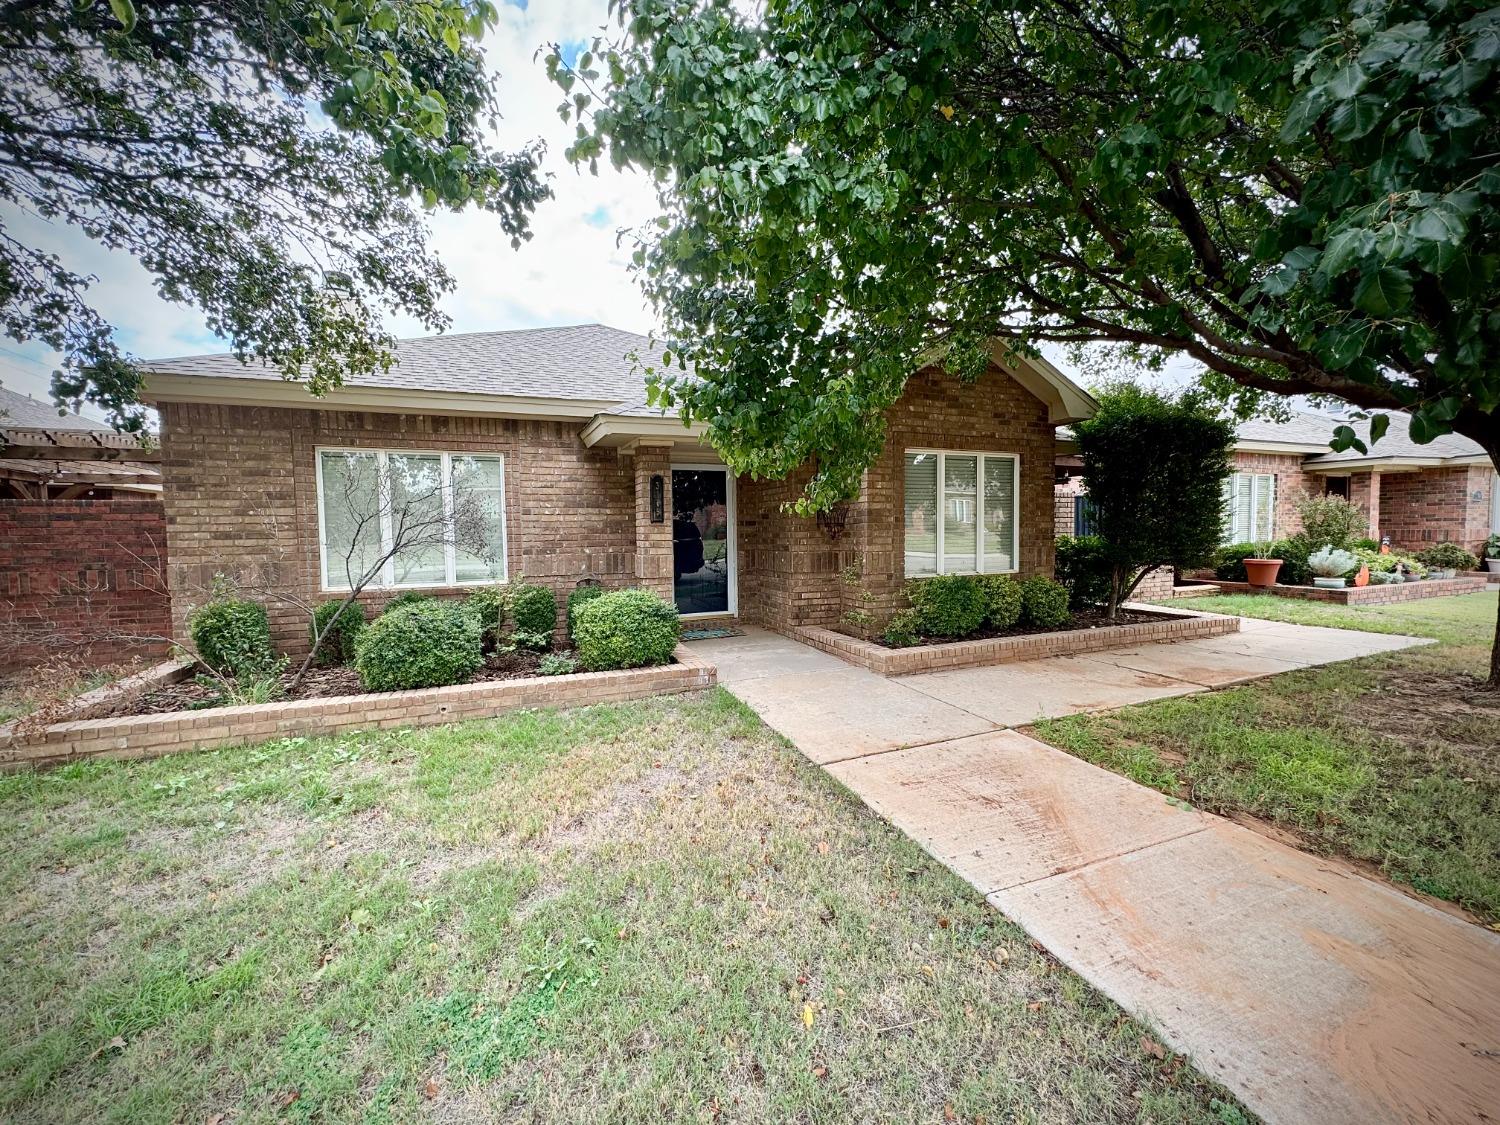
point(1293, 551)
point(533, 609)
point(626, 629)
point(1492, 546)
point(487, 606)
point(1044, 603)
point(1329, 521)
point(1229, 562)
point(582, 594)
point(411, 597)
point(557, 664)
point(1084, 567)
point(1447, 556)
point(1002, 601)
point(1365, 544)
point(534, 642)
point(1372, 558)
point(901, 629)
point(338, 638)
point(233, 637)
point(425, 644)
point(950, 605)
point(1330, 562)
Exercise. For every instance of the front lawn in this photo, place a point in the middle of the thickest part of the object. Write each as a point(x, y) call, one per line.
point(634, 913)
point(1393, 760)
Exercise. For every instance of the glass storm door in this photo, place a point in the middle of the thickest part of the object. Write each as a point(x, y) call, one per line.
point(702, 541)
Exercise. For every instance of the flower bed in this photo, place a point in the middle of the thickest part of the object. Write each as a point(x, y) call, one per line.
point(1146, 626)
point(152, 735)
point(1382, 594)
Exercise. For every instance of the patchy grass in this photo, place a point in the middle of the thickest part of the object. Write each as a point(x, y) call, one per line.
point(51, 684)
point(1393, 760)
point(636, 913)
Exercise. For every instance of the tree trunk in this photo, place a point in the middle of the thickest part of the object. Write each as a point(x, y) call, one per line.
point(1485, 429)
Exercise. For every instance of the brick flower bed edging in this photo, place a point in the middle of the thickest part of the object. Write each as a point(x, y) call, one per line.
point(1390, 593)
point(1173, 625)
point(149, 736)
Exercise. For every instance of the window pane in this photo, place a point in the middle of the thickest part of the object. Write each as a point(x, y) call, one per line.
point(418, 528)
point(351, 517)
point(1265, 507)
point(960, 513)
point(479, 526)
point(921, 514)
point(999, 514)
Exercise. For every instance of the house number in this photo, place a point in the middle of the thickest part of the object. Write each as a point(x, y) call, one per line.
point(658, 500)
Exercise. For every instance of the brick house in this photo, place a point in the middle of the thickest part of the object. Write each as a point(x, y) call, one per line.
point(583, 480)
point(1418, 495)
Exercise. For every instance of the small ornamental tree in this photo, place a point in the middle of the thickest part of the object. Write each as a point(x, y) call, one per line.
point(1155, 469)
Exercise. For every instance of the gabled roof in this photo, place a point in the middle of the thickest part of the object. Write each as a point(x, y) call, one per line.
point(1396, 445)
point(22, 412)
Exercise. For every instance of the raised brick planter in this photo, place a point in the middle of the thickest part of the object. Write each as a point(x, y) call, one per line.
point(1173, 625)
point(1388, 594)
point(149, 736)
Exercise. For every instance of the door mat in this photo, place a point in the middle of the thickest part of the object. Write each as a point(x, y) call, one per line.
point(711, 634)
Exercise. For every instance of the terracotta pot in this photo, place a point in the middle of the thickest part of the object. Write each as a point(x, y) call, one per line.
point(1262, 572)
point(1363, 577)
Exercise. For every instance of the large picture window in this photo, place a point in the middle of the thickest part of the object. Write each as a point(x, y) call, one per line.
point(961, 512)
point(1250, 508)
point(416, 519)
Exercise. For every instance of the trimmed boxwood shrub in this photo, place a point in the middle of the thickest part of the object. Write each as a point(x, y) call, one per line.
point(625, 629)
point(233, 637)
point(428, 644)
point(950, 605)
point(1447, 556)
point(338, 642)
point(533, 609)
point(582, 594)
point(1084, 567)
point(1293, 551)
point(487, 606)
point(901, 629)
point(1229, 561)
point(411, 597)
point(1002, 601)
point(1044, 603)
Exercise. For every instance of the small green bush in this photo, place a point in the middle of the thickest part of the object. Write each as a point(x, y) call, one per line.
point(1229, 561)
point(534, 642)
point(582, 594)
point(950, 605)
point(1044, 603)
point(557, 664)
point(901, 629)
point(411, 597)
point(1447, 556)
point(533, 609)
point(487, 606)
point(1329, 521)
point(233, 637)
point(427, 644)
point(626, 629)
point(1084, 568)
point(1002, 601)
point(339, 638)
point(1365, 545)
point(1293, 551)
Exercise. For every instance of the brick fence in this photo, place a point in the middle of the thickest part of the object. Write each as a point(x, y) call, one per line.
point(76, 574)
point(1386, 594)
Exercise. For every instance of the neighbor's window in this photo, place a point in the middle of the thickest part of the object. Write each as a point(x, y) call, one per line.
point(1249, 508)
point(961, 513)
point(442, 513)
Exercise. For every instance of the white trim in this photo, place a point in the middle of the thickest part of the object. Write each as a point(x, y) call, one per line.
point(732, 543)
point(387, 578)
point(1015, 500)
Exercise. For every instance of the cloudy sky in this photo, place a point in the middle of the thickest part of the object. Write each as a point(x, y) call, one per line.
point(571, 271)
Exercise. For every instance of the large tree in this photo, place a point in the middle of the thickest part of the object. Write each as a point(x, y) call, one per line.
point(1299, 194)
point(265, 162)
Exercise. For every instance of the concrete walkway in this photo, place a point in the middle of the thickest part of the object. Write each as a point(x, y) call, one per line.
point(1314, 993)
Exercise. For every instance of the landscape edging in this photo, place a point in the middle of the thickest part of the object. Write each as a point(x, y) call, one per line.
point(1390, 593)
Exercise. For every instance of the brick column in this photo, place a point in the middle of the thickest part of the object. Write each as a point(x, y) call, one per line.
point(1373, 505)
point(653, 541)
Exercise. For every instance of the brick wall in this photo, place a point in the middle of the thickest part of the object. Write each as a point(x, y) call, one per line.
point(241, 497)
point(78, 575)
point(1420, 509)
point(1291, 485)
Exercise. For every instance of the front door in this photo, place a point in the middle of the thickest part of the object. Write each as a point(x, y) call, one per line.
point(703, 561)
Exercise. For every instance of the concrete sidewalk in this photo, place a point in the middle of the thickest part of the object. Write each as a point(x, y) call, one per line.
point(1314, 993)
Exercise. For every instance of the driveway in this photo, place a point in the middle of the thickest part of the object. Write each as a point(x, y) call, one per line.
point(1314, 993)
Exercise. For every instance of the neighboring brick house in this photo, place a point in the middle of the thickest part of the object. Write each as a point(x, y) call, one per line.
point(1415, 494)
point(586, 481)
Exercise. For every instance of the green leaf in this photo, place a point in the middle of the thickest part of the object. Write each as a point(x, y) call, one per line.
point(1383, 293)
point(1353, 119)
point(1345, 438)
point(1379, 423)
point(124, 11)
point(451, 39)
point(1344, 250)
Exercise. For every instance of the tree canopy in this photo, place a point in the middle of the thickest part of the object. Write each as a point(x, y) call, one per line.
point(1298, 194)
point(267, 163)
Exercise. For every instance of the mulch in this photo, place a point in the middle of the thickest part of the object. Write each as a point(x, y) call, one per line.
point(320, 683)
point(1087, 619)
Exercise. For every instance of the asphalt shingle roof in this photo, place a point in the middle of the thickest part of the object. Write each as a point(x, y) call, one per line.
point(1397, 442)
point(582, 362)
point(22, 412)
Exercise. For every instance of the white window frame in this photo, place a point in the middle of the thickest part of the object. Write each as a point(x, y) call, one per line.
point(942, 477)
point(386, 580)
point(1255, 481)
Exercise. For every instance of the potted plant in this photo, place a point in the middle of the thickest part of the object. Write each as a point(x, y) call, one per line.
point(1329, 565)
point(1443, 560)
point(1492, 553)
point(1260, 572)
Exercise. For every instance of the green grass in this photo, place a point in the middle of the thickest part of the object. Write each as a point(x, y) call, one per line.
point(1392, 760)
point(611, 914)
